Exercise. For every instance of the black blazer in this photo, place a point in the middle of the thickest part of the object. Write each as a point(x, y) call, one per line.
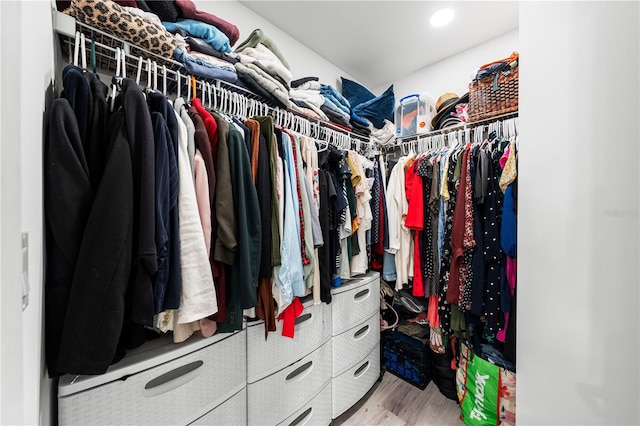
point(67, 201)
point(95, 309)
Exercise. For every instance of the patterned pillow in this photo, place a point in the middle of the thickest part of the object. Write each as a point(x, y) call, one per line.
point(111, 18)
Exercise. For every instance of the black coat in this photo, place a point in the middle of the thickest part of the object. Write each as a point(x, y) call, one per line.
point(67, 201)
point(96, 299)
point(139, 298)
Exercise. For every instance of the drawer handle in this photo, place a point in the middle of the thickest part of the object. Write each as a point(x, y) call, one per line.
point(361, 294)
point(302, 318)
point(298, 371)
point(173, 379)
point(362, 332)
point(302, 417)
point(361, 370)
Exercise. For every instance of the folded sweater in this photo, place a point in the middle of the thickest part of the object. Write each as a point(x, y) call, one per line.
point(268, 61)
point(190, 11)
point(268, 84)
point(311, 96)
point(258, 36)
point(213, 36)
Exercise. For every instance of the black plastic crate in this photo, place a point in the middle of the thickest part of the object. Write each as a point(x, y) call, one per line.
point(406, 357)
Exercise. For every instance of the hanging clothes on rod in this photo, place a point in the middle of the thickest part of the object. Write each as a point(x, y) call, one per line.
point(452, 234)
point(222, 204)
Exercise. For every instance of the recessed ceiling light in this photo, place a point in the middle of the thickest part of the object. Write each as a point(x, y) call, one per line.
point(441, 17)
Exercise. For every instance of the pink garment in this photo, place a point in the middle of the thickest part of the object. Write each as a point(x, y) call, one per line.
point(505, 157)
point(189, 10)
point(512, 269)
point(202, 197)
point(512, 265)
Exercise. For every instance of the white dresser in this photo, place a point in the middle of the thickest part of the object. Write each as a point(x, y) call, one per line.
point(289, 380)
point(201, 381)
point(355, 338)
point(241, 378)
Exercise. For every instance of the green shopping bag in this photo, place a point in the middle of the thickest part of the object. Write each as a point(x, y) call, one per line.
point(480, 400)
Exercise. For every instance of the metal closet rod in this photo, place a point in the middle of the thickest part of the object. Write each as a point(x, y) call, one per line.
point(457, 127)
point(228, 96)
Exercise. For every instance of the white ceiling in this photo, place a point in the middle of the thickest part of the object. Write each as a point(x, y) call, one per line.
point(378, 42)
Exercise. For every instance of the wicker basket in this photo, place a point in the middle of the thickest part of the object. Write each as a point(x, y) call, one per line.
point(489, 98)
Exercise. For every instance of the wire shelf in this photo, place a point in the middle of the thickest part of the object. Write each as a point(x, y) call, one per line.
point(171, 76)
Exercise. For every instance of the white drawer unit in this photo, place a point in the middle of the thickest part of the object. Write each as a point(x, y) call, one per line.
point(349, 387)
point(354, 301)
point(278, 396)
point(160, 384)
point(355, 344)
point(265, 357)
point(315, 412)
point(232, 412)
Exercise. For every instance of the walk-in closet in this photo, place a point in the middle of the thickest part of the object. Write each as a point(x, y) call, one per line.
point(241, 212)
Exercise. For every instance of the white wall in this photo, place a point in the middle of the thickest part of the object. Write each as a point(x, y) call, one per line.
point(27, 69)
point(11, 366)
point(37, 75)
point(454, 73)
point(578, 230)
point(302, 60)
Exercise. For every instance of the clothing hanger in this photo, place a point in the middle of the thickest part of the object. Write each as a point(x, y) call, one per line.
point(155, 75)
point(83, 49)
point(76, 49)
point(179, 81)
point(114, 88)
point(164, 80)
point(139, 72)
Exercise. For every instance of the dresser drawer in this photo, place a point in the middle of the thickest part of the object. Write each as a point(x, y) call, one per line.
point(355, 344)
point(171, 392)
point(278, 396)
point(232, 412)
point(315, 412)
point(354, 302)
point(349, 387)
point(264, 357)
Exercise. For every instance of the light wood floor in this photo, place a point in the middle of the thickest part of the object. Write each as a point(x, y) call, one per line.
point(395, 402)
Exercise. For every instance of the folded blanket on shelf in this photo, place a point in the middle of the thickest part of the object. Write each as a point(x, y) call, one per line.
point(113, 19)
point(201, 68)
point(268, 84)
point(365, 104)
point(199, 45)
point(328, 103)
point(212, 60)
point(335, 102)
point(165, 9)
point(190, 11)
point(258, 36)
point(213, 36)
point(311, 96)
point(216, 73)
point(247, 82)
point(385, 135)
point(331, 92)
point(360, 129)
point(359, 120)
point(268, 61)
point(281, 87)
point(336, 117)
point(306, 105)
point(306, 83)
point(377, 109)
point(305, 111)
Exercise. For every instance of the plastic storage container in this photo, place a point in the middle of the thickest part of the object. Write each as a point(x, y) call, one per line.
point(413, 114)
point(406, 358)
